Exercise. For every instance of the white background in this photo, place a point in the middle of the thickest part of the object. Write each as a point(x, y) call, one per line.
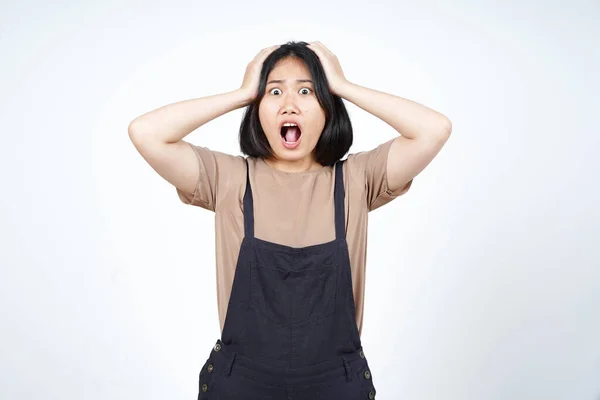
point(483, 281)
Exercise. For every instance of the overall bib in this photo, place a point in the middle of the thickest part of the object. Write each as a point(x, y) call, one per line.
point(290, 331)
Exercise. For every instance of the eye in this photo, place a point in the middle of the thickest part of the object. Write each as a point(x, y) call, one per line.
point(304, 88)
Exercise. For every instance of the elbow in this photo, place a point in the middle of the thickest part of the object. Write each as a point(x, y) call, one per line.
point(444, 129)
point(131, 129)
point(134, 130)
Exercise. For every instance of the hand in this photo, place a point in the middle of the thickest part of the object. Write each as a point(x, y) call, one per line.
point(252, 75)
point(331, 65)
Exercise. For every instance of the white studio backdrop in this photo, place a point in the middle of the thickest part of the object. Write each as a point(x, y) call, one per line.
point(483, 281)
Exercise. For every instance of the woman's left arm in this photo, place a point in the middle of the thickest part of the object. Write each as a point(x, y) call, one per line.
point(423, 131)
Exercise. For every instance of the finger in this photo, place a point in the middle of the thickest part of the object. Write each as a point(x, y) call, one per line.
point(325, 48)
point(321, 47)
point(263, 51)
point(259, 54)
point(314, 47)
point(271, 49)
point(268, 48)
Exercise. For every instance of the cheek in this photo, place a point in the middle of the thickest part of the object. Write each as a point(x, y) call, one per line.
point(317, 121)
point(267, 119)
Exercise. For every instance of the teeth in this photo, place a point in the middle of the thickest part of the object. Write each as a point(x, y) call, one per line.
point(289, 124)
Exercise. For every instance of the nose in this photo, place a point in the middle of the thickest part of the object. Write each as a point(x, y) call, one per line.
point(288, 109)
point(288, 104)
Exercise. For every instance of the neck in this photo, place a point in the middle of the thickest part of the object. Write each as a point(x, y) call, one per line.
point(302, 165)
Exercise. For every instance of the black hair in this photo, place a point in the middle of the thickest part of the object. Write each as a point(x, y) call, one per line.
point(336, 138)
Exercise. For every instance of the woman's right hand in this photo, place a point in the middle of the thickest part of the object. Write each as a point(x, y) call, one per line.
point(252, 76)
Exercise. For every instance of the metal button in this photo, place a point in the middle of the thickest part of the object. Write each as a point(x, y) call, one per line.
point(217, 347)
point(367, 374)
point(362, 354)
point(204, 387)
point(371, 395)
point(210, 368)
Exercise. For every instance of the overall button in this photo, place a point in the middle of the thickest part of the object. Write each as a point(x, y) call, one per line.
point(371, 395)
point(217, 347)
point(367, 374)
point(204, 387)
point(362, 354)
point(210, 368)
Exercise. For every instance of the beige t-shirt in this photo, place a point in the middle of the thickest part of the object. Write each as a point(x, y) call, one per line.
point(293, 209)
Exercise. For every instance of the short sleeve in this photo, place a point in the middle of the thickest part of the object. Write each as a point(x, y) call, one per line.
point(215, 169)
point(371, 167)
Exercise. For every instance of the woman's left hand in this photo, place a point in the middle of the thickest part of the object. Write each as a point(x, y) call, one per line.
point(331, 65)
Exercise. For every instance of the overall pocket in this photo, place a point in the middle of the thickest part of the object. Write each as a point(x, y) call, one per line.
point(292, 297)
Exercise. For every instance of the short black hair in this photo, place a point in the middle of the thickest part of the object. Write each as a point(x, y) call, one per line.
point(336, 138)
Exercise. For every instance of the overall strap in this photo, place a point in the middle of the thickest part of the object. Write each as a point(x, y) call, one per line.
point(248, 206)
point(338, 196)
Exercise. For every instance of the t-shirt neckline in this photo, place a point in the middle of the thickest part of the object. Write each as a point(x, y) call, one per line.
point(302, 173)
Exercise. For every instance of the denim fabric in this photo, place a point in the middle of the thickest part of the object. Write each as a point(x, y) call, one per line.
point(290, 331)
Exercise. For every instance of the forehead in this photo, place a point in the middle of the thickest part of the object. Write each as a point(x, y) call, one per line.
point(289, 69)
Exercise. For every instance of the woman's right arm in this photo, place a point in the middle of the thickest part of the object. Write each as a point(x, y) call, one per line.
point(157, 135)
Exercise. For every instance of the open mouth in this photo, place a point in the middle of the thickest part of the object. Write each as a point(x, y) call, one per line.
point(290, 134)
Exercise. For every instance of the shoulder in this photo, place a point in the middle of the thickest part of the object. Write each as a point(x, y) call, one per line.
point(368, 169)
point(362, 159)
point(224, 161)
point(220, 174)
point(363, 164)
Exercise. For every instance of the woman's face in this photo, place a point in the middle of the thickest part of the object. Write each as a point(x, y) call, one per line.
point(291, 100)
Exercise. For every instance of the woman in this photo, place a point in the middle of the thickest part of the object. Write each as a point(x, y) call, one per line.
point(291, 286)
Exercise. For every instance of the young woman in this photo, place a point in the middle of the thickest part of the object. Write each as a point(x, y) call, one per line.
point(291, 218)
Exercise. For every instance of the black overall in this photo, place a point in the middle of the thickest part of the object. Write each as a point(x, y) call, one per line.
point(290, 331)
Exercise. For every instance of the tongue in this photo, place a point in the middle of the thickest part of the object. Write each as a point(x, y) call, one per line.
point(292, 134)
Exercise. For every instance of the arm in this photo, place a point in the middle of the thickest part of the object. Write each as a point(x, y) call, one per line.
point(423, 130)
point(157, 135)
point(171, 123)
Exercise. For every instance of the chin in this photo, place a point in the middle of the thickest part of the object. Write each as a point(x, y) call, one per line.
point(294, 155)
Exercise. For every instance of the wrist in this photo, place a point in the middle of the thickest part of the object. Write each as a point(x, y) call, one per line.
point(245, 96)
point(343, 88)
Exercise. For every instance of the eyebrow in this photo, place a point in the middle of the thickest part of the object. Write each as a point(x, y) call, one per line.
point(283, 80)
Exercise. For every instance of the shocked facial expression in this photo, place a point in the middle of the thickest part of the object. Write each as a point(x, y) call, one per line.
point(290, 99)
